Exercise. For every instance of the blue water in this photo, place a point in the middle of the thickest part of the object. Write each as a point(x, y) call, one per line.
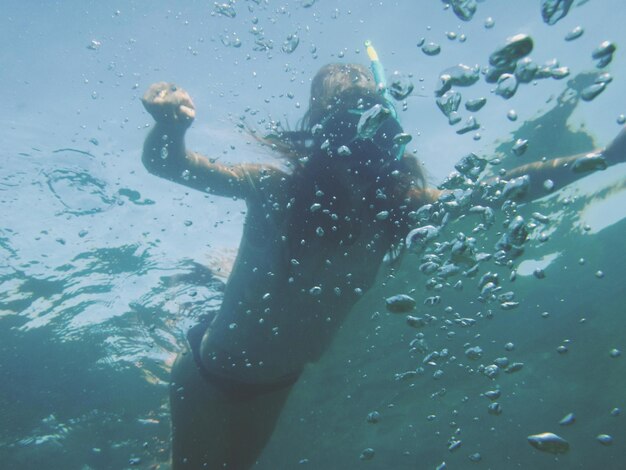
point(103, 267)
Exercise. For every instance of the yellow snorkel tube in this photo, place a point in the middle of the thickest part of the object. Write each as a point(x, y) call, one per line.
point(377, 68)
point(378, 71)
point(379, 74)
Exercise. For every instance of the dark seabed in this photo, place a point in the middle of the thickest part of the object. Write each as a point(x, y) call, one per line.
point(103, 267)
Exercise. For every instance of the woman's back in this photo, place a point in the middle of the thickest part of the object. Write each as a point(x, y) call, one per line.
point(288, 291)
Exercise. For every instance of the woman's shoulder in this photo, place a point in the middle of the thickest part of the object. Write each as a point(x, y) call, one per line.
point(268, 182)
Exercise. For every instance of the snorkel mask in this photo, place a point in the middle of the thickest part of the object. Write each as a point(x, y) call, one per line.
point(364, 124)
point(365, 128)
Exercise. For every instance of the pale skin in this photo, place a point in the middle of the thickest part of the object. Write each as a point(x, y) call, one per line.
point(209, 429)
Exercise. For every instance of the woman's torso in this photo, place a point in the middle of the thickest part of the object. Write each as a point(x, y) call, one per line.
point(284, 299)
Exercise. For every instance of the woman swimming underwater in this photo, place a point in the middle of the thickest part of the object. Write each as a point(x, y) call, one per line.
point(313, 241)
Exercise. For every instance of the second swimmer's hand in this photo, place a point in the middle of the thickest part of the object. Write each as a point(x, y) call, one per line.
point(169, 105)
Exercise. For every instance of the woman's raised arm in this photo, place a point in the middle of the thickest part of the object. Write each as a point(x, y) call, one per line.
point(165, 155)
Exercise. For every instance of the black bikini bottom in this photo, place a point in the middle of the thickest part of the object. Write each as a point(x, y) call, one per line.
point(233, 388)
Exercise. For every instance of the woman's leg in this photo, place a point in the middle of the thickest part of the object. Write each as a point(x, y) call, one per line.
point(212, 431)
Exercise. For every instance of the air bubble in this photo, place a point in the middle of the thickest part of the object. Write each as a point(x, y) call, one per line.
point(290, 44)
point(431, 49)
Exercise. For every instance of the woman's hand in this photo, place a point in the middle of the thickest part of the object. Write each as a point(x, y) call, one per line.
point(169, 105)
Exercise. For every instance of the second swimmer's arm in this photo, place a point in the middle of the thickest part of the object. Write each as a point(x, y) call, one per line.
point(565, 170)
